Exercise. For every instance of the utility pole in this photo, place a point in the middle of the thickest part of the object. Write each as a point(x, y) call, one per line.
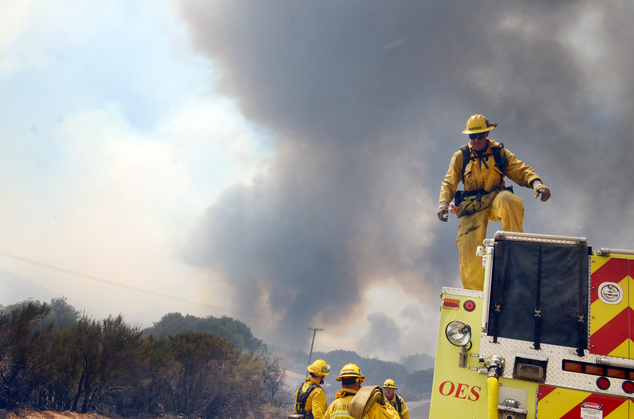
point(311, 345)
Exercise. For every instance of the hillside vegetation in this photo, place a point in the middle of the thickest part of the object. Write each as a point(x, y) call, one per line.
point(225, 327)
point(109, 367)
point(55, 359)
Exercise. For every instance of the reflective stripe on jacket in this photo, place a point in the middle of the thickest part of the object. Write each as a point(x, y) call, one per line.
point(316, 401)
point(483, 174)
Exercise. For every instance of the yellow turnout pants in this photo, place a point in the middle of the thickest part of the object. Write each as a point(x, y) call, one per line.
point(506, 207)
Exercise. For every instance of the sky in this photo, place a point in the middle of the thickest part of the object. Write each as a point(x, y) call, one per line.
point(280, 161)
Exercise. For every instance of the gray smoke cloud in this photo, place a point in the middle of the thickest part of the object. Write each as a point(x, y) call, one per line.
point(384, 332)
point(367, 100)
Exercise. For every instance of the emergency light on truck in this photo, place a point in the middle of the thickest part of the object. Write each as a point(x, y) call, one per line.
point(531, 368)
point(458, 333)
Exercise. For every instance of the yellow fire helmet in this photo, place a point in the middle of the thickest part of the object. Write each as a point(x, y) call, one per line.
point(389, 383)
point(319, 368)
point(478, 123)
point(351, 371)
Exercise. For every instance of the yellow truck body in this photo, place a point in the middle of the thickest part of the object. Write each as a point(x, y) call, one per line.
point(563, 330)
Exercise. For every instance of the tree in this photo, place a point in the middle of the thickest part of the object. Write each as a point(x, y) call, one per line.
point(118, 356)
point(198, 374)
point(62, 314)
point(63, 380)
point(106, 350)
point(22, 351)
point(275, 391)
point(225, 327)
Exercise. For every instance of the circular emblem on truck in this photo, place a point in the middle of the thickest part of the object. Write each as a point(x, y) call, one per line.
point(610, 293)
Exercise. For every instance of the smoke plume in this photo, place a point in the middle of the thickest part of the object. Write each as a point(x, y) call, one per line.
point(367, 100)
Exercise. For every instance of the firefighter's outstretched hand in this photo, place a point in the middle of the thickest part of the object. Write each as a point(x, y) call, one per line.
point(443, 211)
point(541, 189)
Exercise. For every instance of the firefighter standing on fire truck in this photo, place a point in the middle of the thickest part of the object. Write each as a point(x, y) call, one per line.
point(481, 165)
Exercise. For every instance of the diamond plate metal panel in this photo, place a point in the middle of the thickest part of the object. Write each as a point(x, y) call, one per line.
point(462, 292)
point(555, 375)
point(539, 238)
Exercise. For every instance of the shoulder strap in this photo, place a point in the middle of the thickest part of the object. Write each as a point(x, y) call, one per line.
point(466, 155)
point(500, 161)
point(399, 402)
point(303, 396)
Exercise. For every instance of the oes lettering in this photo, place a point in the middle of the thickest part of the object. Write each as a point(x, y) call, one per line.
point(460, 390)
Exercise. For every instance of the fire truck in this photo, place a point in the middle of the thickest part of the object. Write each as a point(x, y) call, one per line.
point(550, 336)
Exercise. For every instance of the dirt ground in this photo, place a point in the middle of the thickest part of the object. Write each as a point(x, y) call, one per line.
point(29, 414)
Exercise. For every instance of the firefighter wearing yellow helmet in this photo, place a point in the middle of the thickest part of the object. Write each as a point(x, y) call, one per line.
point(482, 165)
point(310, 398)
point(394, 399)
point(351, 379)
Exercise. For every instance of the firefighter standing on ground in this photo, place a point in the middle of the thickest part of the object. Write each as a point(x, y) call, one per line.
point(394, 399)
point(351, 379)
point(485, 196)
point(315, 404)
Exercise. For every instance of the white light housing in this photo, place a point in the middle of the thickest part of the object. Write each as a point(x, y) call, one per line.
point(458, 333)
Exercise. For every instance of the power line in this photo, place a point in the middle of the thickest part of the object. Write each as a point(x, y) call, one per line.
point(130, 287)
point(158, 294)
